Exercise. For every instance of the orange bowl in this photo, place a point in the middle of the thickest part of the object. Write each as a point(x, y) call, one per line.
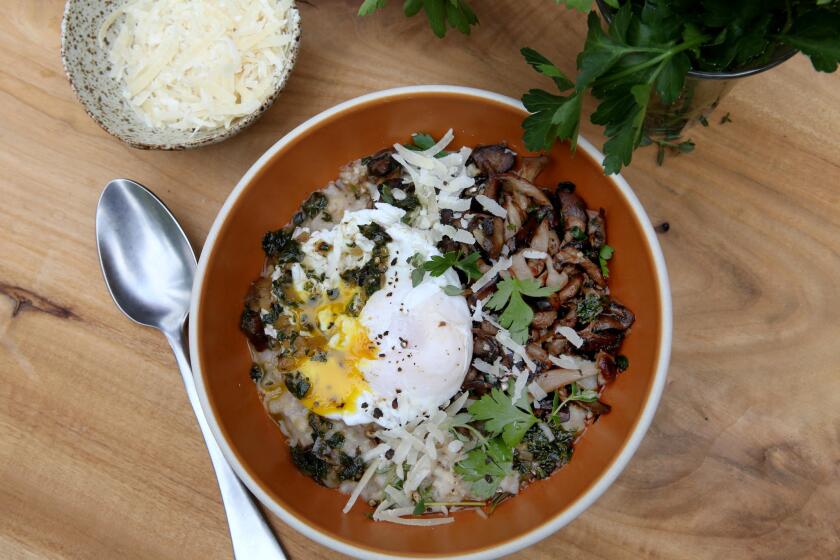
point(305, 160)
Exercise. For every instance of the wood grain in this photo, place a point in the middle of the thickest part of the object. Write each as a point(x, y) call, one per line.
point(99, 453)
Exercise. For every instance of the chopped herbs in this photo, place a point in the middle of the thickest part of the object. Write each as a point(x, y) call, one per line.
point(408, 203)
point(370, 276)
point(351, 468)
point(297, 384)
point(273, 314)
point(336, 440)
point(280, 245)
point(588, 308)
point(309, 463)
point(375, 233)
point(256, 372)
point(621, 362)
point(517, 315)
point(538, 457)
point(354, 306)
point(315, 204)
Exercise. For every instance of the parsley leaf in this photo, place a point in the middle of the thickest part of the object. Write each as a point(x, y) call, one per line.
point(370, 6)
point(422, 141)
point(486, 467)
point(439, 264)
point(420, 507)
point(517, 315)
point(451, 290)
point(547, 68)
point(502, 416)
point(440, 13)
point(469, 265)
point(604, 254)
point(816, 34)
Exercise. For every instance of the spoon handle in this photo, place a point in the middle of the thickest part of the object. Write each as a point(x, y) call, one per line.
point(250, 535)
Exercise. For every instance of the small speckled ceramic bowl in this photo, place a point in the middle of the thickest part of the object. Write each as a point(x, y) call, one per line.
point(88, 69)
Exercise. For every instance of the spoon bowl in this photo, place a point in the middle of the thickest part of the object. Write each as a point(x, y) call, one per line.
point(146, 259)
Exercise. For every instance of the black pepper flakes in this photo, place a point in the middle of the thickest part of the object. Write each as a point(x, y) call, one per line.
point(395, 404)
point(377, 413)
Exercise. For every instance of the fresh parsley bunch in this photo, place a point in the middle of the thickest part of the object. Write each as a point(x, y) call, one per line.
point(455, 13)
point(650, 46)
point(440, 13)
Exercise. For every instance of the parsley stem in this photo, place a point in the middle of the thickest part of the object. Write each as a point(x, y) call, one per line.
point(450, 504)
point(653, 61)
point(789, 20)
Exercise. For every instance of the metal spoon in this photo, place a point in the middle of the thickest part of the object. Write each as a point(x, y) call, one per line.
point(149, 266)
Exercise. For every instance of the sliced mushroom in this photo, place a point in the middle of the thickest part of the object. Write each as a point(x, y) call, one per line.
point(570, 290)
point(250, 323)
point(514, 220)
point(557, 345)
point(594, 341)
point(554, 278)
point(573, 256)
point(596, 407)
point(624, 316)
point(516, 183)
point(552, 379)
point(491, 188)
point(536, 353)
point(489, 233)
point(606, 365)
point(596, 229)
point(259, 294)
point(475, 383)
point(573, 211)
point(519, 267)
point(544, 319)
point(531, 167)
point(539, 242)
point(485, 346)
point(381, 164)
point(493, 159)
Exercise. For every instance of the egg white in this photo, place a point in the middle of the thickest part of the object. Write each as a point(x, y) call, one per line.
point(423, 337)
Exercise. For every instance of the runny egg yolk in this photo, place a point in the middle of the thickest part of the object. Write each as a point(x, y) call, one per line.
point(333, 369)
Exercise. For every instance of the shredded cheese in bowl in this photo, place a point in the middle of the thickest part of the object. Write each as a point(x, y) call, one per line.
point(200, 64)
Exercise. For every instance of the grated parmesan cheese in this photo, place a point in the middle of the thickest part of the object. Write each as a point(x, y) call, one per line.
point(571, 335)
point(534, 254)
point(200, 64)
point(487, 277)
point(491, 206)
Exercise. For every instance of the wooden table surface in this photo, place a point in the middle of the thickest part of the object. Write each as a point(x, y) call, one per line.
point(100, 457)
